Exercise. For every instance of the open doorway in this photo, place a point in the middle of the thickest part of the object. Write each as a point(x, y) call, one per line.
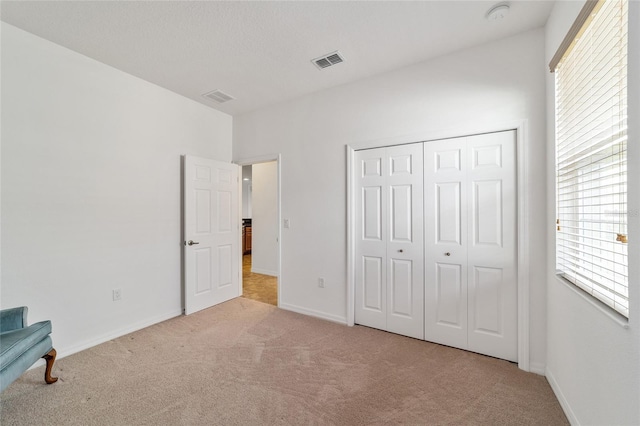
point(260, 232)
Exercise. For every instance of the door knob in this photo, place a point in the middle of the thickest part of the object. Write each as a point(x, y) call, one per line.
point(447, 254)
point(191, 242)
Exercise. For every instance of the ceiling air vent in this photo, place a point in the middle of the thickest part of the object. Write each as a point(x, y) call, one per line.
point(328, 60)
point(219, 96)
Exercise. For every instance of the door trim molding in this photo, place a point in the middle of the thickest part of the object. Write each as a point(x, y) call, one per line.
point(522, 216)
point(351, 237)
point(266, 159)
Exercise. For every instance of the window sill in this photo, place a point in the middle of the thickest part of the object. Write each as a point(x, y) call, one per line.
point(601, 307)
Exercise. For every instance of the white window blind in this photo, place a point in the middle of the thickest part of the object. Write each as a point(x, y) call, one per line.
point(591, 154)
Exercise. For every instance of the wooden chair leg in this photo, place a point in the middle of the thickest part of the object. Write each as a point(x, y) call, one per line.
point(50, 358)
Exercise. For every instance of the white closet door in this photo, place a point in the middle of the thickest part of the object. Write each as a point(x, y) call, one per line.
point(470, 244)
point(492, 279)
point(371, 238)
point(446, 242)
point(405, 270)
point(389, 269)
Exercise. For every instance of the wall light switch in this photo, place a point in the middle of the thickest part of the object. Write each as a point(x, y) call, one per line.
point(286, 223)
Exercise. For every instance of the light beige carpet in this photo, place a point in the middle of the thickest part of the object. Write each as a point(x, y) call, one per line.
point(248, 363)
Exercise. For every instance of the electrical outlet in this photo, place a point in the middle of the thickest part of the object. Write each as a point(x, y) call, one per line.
point(321, 282)
point(117, 294)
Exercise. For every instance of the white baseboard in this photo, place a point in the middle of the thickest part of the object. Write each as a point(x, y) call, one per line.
point(313, 313)
point(537, 368)
point(63, 352)
point(561, 398)
point(263, 272)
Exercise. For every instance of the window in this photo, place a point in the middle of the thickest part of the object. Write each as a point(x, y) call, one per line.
point(591, 154)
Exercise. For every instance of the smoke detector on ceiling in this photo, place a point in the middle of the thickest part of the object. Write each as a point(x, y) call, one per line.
point(328, 60)
point(218, 96)
point(498, 12)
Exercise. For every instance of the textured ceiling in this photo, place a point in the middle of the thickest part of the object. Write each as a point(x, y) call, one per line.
point(260, 52)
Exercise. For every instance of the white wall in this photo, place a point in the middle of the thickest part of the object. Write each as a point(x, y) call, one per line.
point(593, 363)
point(470, 91)
point(264, 244)
point(91, 192)
point(246, 192)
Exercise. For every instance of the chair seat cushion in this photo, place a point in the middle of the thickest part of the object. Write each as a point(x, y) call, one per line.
point(16, 342)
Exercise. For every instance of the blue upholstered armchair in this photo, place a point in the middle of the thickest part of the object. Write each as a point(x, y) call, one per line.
point(22, 345)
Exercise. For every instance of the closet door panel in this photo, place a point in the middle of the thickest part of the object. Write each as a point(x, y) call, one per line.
point(373, 283)
point(445, 242)
point(405, 245)
point(371, 236)
point(449, 291)
point(389, 246)
point(492, 251)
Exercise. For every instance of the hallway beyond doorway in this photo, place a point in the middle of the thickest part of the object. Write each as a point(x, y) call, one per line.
point(263, 288)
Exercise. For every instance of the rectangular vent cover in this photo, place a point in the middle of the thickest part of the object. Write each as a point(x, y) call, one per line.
point(218, 96)
point(328, 60)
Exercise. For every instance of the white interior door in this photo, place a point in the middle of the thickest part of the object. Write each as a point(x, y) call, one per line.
point(212, 233)
point(389, 271)
point(470, 244)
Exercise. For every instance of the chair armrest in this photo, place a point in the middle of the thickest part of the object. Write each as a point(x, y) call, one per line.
point(13, 319)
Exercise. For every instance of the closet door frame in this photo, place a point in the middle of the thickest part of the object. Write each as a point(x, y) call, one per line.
point(521, 128)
